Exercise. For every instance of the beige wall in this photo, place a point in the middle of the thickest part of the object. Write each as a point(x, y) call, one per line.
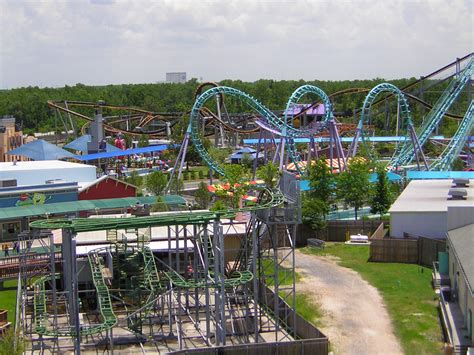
point(5, 140)
point(426, 224)
point(464, 296)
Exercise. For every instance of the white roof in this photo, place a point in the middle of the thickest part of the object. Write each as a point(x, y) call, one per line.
point(40, 164)
point(37, 172)
point(430, 196)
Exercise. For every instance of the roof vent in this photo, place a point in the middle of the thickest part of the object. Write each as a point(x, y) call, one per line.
point(460, 182)
point(457, 194)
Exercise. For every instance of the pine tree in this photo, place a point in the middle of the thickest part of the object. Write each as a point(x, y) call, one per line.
point(382, 197)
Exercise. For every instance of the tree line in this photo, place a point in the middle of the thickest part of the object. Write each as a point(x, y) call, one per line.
point(29, 104)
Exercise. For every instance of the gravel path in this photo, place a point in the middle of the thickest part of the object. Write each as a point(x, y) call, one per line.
point(355, 318)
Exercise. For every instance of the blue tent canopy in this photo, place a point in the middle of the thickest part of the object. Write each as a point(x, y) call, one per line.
point(80, 144)
point(41, 150)
point(121, 153)
point(241, 152)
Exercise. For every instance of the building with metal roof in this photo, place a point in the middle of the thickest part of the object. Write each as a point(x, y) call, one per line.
point(38, 172)
point(457, 300)
point(422, 208)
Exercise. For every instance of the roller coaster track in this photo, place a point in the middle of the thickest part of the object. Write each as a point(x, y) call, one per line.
point(103, 297)
point(273, 121)
point(429, 76)
point(434, 117)
point(273, 198)
point(56, 105)
point(405, 113)
point(269, 200)
point(293, 100)
point(447, 157)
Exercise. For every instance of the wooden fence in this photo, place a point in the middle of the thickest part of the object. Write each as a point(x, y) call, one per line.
point(336, 231)
point(411, 249)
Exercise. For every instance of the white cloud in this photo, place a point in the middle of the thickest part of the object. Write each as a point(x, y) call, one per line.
point(104, 41)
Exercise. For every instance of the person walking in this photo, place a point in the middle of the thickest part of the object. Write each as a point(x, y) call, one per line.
point(7, 252)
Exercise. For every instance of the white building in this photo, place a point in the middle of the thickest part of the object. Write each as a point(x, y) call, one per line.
point(176, 78)
point(38, 172)
point(422, 208)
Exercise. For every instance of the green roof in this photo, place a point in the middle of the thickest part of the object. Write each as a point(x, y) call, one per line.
point(10, 213)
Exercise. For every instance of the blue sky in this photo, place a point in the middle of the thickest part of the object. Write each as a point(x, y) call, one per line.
point(53, 43)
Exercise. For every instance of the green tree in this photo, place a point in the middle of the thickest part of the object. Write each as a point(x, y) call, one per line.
point(235, 178)
point(176, 186)
point(218, 206)
point(219, 154)
point(381, 199)
point(135, 179)
point(458, 165)
point(246, 161)
point(156, 182)
point(313, 211)
point(143, 141)
point(203, 196)
point(269, 173)
point(353, 184)
point(321, 182)
point(318, 199)
point(159, 205)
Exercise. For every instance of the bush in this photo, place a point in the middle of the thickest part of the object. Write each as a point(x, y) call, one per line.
point(218, 206)
point(201, 174)
point(186, 175)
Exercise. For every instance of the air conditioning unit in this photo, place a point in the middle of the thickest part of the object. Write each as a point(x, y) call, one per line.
point(457, 194)
point(460, 182)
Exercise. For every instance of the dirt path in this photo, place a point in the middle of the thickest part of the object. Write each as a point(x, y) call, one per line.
point(355, 318)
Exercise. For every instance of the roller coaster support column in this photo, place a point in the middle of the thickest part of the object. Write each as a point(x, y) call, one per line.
point(70, 283)
point(219, 269)
point(417, 147)
point(337, 141)
point(179, 159)
point(221, 131)
point(255, 253)
point(255, 161)
point(282, 147)
point(355, 142)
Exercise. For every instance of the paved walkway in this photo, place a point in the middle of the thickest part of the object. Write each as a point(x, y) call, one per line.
point(355, 318)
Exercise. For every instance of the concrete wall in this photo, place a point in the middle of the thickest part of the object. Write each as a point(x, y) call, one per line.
point(426, 224)
point(460, 216)
point(464, 296)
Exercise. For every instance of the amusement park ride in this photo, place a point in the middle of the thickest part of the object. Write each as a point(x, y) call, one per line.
point(195, 291)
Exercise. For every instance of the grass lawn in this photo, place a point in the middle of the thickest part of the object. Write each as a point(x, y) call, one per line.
point(308, 309)
point(406, 289)
point(8, 299)
point(305, 306)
